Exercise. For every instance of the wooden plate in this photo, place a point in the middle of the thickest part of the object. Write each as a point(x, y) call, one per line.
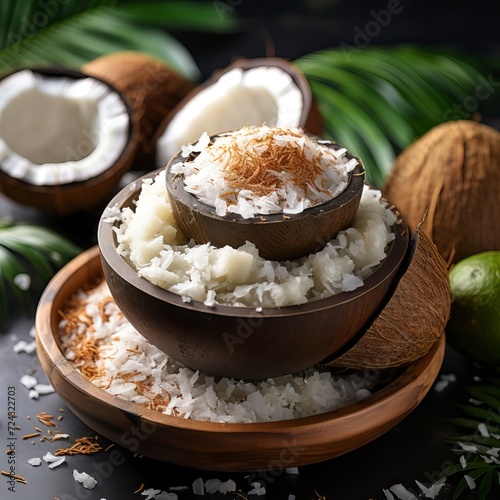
point(206, 445)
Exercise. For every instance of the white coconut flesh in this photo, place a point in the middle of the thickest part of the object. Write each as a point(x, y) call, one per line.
point(303, 172)
point(57, 130)
point(264, 94)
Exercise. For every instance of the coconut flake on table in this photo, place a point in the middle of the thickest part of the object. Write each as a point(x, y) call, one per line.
point(235, 173)
point(129, 367)
point(87, 481)
point(150, 240)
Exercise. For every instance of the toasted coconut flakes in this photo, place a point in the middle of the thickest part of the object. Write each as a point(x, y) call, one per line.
point(17, 477)
point(262, 170)
point(32, 435)
point(81, 446)
point(46, 419)
point(139, 372)
point(138, 490)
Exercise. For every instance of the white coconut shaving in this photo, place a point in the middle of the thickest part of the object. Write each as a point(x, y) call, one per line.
point(150, 240)
point(87, 481)
point(129, 367)
point(288, 152)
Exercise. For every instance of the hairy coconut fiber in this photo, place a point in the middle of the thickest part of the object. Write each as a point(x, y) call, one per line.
point(151, 88)
point(414, 317)
point(452, 174)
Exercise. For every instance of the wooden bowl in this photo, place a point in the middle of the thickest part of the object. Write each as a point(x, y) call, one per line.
point(73, 197)
point(206, 445)
point(277, 236)
point(239, 341)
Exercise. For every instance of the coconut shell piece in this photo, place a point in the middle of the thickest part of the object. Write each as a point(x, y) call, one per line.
point(69, 197)
point(151, 87)
point(237, 115)
point(413, 318)
point(451, 173)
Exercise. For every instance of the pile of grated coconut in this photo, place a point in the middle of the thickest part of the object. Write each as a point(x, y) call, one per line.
point(150, 240)
point(263, 170)
point(101, 344)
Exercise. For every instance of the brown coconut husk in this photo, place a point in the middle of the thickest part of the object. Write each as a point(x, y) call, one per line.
point(452, 174)
point(413, 318)
point(151, 88)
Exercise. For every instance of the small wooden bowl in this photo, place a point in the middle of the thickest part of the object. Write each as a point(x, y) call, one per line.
point(277, 236)
point(238, 341)
point(73, 197)
point(213, 446)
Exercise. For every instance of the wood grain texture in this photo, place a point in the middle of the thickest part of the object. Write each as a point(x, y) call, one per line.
point(212, 446)
point(238, 341)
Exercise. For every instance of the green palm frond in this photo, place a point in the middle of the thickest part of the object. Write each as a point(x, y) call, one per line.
point(73, 33)
point(480, 446)
point(376, 101)
point(29, 252)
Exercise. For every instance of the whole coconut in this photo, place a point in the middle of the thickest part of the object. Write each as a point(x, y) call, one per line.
point(151, 87)
point(451, 174)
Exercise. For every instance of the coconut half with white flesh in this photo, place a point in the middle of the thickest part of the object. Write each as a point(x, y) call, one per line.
point(249, 92)
point(65, 139)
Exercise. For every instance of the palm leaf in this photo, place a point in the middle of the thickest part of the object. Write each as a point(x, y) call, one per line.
point(32, 250)
point(482, 463)
point(74, 33)
point(376, 101)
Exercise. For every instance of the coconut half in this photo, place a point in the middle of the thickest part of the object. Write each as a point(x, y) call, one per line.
point(414, 316)
point(151, 88)
point(62, 130)
point(59, 130)
point(249, 92)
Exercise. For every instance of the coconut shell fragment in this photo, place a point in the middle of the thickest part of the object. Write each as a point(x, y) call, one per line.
point(151, 87)
point(451, 174)
point(414, 317)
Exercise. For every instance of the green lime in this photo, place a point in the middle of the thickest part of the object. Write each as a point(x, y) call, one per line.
point(474, 325)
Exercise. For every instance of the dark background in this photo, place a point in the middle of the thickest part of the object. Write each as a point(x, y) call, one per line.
point(414, 449)
point(293, 28)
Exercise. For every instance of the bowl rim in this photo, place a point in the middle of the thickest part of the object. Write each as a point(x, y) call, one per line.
point(128, 150)
point(421, 372)
point(353, 189)
point(106, 240)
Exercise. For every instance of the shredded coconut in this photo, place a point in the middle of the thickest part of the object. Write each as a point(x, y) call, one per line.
point(263, 170)
point(109, 352)
point(87, 481)
point(150, 240)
